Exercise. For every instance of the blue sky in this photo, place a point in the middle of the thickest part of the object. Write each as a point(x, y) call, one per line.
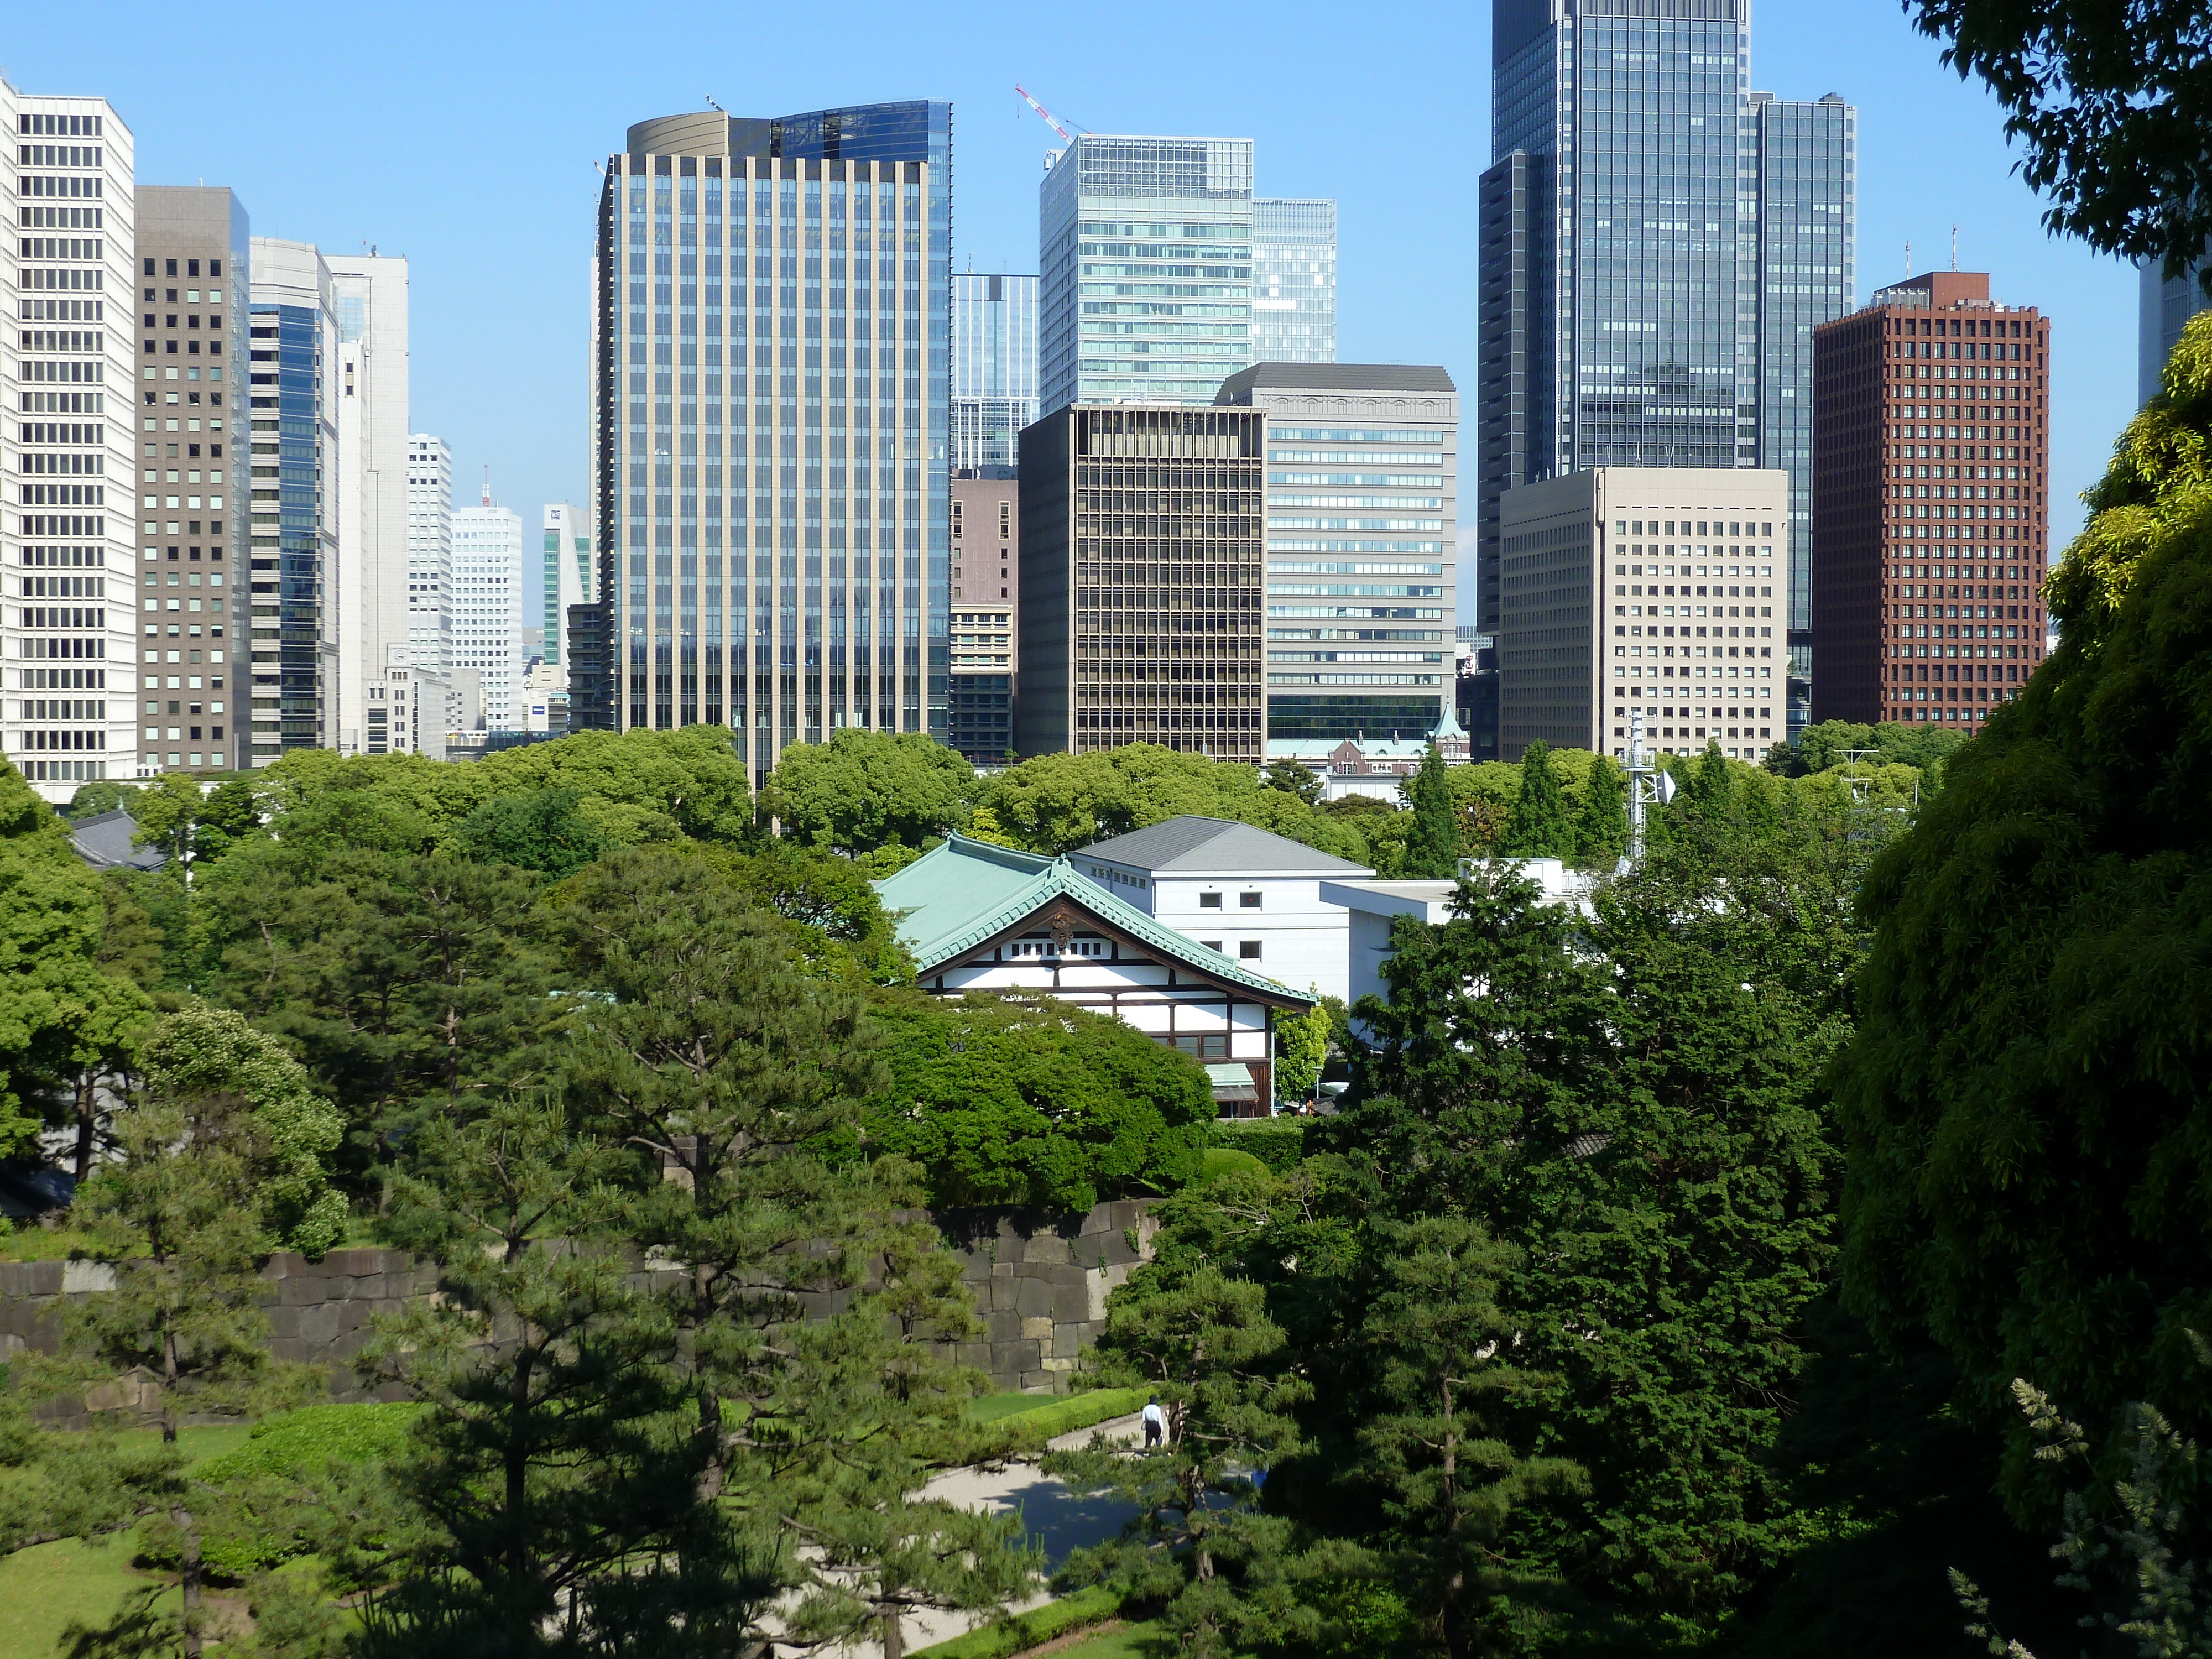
point(464, 136)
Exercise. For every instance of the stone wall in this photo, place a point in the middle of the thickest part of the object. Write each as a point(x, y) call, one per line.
point(1040, 1282)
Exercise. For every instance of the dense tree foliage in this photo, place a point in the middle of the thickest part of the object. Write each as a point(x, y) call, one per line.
point(2025, 1099)
point(863, 789)
point(1019, 1101)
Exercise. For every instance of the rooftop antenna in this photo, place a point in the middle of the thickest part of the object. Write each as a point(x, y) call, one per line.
point(1908, 256)
point(487, 486)
point(1954, 247)
point(711, 105)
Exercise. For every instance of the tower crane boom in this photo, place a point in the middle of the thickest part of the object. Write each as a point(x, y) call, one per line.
point(1048, 117)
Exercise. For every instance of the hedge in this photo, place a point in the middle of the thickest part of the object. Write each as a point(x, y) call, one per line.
point(1027, 1630)
point(1277, 1142)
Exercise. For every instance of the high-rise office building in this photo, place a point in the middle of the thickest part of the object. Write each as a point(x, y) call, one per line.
point(1581, 641)
point(1143, 581)
point(1363, 540)
point(986, 529)
point(194, 242)
point(488, 611)
point(1293, 280)
point(994, 371)
point(69, 626)
point(1144, 255)
point(771, 499)
point(1931, 524)
point(2163, 310)
point(293, 533)
point(430, 553)
point(369, 294)
point(1657, 242)
point(570, 576)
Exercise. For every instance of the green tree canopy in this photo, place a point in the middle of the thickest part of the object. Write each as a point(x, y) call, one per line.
point(58, 1012)
point(1004, 1100)
point(541, 831)
point(2109, 102)
point(1432, 842)
point(862, 789)
point(1540, 827)
point(2027, 1121)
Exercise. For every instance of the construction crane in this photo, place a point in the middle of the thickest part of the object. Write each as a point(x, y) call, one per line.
point(1047, 115)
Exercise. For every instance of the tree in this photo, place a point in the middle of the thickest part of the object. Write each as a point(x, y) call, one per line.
point(1439, 1433)
point(92, 799)
point(165, 811)
point(2110, 104)
point(1294, 778)
point(1302, 1043)
point(541, 831)
point(1009, 1100)
point(1601, 820)
point(1538, 828)
point(733, 1081)
point(843, 930)
point(1432, 842)
point(1202, 1344)
point(864, 788)
point(178, 1221)
point(550, 1499)
point(2022, 1101)
point(59, 1013)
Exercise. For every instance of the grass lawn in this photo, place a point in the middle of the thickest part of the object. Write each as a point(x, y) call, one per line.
point(990, 1407)
point(1130, 1642)
point(44, 1588)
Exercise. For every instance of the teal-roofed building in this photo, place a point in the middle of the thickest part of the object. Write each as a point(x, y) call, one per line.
point(980, 917)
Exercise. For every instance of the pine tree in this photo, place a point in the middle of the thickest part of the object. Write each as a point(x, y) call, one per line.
point(1602, 820)
point(1540, 827)
point(550, 1499)
point(1432, 844)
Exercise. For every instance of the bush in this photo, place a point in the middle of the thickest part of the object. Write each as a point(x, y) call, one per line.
point(1277, 1142)
point(1027, 1630)
point(1229, 1160)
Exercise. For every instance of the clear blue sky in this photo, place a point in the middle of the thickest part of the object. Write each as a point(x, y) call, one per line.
point(464, 136)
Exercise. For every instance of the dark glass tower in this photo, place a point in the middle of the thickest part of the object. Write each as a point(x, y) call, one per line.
point(1658, 242)
point(773, 335)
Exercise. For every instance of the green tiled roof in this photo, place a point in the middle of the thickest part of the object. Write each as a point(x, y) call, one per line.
point(958, 895)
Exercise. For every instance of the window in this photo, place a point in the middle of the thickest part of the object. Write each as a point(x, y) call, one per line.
point(1211, 944)
point(1248, 901)
point(1248, 950)
point(1209, 901)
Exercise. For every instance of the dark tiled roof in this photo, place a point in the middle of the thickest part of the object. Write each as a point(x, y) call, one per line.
point(1335, 377)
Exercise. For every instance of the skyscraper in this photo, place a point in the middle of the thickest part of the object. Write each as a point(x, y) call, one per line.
point(994, 371)
point(1657, 242)
point(488, 613)
point(1293, 280)
point(1363, 538)
point(2163, 309)
point(1930, 510)
point(430, 553)
point(986, 523)
point(830, 431)
point(1145, 252)
point(292, 534)
point(369, 294)
point(71, 675)
point(200, 238)
point(1142, 558)
point(569, 576)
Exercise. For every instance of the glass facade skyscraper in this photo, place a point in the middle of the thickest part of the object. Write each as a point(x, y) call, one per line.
point(1145, 261)
point(1293, 280)
point(1657, 243)
point(994, 371)
point(772, 357)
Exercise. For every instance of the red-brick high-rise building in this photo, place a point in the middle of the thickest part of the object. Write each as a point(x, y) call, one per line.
point(1931, 440)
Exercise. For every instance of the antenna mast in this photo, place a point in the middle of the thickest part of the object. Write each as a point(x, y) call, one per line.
point(487, 484)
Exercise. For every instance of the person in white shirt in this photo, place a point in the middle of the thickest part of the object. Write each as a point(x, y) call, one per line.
point(1156, 1422)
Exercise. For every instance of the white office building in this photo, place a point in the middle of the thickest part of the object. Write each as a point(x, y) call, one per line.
point(370, 590)
point(488, 607)
point(571, 576)
point(1293, 280)
point(1660, 589)
point(70, 618)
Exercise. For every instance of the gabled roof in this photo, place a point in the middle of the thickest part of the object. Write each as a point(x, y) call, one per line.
point(1190, 846)
point(963, 893)
point(104, 842)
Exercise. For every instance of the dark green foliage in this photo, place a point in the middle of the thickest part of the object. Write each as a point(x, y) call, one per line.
point(1632, 1101)
point(2028, 1127)
point(2109, 102)
point(1539, 826)
point(1294, 778)
point(541, 831)
point(1008, 1100)
point(92, 799)
point(843, 931)
point(1432, 842)
point(1601, 820)
point(864, 788)
point(1277, 1142)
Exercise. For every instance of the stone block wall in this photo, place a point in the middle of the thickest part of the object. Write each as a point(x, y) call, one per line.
point(1040, 1282)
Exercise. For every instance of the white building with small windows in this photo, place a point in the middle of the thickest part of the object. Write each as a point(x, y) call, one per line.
point(1663, 590)
point(1254, 896)
point(487, 608)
